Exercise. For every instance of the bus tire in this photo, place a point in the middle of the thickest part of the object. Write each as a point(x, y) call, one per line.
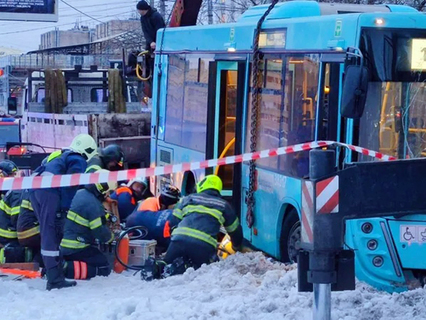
point(290, 236)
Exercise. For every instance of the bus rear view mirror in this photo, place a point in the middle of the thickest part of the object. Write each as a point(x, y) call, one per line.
point(354, 92)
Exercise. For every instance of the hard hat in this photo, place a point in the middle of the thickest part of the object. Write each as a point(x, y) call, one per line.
point(170, 195)
point(113, 153)
point(85, 145)
point(8, 168)
point(210, 182)
point(171, 192)
point(106, 187)
point(138, 180)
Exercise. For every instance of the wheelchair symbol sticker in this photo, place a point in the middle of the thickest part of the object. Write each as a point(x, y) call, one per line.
point(408, 234)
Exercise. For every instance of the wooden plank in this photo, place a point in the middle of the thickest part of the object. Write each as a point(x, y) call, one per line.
point(34, 266)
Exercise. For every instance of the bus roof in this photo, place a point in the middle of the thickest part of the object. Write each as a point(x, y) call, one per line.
point(307, 25)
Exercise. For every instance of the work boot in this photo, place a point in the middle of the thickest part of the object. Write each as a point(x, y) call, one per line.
point(178, 266)
point(56, 279)
point(152, 269)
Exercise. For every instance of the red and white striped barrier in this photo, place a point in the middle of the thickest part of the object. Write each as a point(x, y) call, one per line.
point(307, 233)
point(55, 181)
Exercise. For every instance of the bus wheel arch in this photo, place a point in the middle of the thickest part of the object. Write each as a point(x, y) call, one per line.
point(290, 235)
point(188, 183)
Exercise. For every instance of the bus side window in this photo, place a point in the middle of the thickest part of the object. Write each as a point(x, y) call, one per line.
point(300, 92)
point(287, 110)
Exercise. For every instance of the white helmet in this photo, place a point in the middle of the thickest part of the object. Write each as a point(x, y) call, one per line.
point(106, 187)
point(85, 145)
point(138, 180)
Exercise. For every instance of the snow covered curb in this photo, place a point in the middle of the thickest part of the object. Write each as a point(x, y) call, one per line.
point(245, 286)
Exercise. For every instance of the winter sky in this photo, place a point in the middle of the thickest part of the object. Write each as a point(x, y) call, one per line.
point(25, 36)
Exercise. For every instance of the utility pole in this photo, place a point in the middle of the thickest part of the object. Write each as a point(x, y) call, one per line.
point(232, 13)
point(210, 11)
point(163, 8)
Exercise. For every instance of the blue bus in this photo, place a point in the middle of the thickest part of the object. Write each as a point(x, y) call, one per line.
point(202, 109)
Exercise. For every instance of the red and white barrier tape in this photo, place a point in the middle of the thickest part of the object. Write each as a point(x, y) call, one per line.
point(55, 181)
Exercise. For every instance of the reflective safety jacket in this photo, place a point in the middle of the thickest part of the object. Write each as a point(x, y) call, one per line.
point(28, 225)
point(94, 164)
point(150, 204)
point(156, 222)
point(64, 162)
point(200, 216)
point(9, 211)
point(85, 222)
point(125, 200)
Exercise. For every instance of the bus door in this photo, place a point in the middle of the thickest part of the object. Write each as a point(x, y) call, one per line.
point(225, 124)
point(329, 121)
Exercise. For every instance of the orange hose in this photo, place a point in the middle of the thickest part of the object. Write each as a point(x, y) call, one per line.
point(26, 273)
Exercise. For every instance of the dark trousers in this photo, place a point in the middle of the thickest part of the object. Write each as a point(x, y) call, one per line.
point(195, 251)
point(86, 264)
point(45, 204)
point(4, 241)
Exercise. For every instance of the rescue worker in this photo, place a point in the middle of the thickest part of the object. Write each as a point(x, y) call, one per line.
point(85, 223)
point(110, 158)
point(51, 205)
point(168, 198)
point(127, 196)
point(9, 206)
point(8, 169)
point(154, 214)
point(157, 224)
point(28, 228)
point(196, 221)
point(151, 22)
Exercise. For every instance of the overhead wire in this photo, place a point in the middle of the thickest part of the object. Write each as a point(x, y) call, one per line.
point(60, 25)
point(83, 13)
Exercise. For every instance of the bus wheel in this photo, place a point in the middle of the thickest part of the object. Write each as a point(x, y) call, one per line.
point(290, 237)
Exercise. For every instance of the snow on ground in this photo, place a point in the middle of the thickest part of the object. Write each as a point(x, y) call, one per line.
point(245, 286)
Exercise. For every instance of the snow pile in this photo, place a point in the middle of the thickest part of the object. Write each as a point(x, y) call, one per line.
point(247, 286)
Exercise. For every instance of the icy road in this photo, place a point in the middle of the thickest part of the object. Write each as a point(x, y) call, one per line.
point(242, 287)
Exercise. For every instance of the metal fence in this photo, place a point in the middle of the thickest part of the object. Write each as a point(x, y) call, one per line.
point(36, 61)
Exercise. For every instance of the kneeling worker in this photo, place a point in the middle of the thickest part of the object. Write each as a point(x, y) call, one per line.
point(127, 196)
point(86, 222)
point(195, 222)
point(155, 220)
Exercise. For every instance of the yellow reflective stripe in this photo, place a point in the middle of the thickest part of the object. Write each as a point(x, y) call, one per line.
point(29, 233)
point(8, 234)
point(15, 210)
point(95, 167)
point(5, 207)
point(95, 223)
point(233, 226)
point(54, 155)
point(202, 209)
point(195, 234)
point(78, 219)
point(73, 244)
point(178, 214)
point(27, 205)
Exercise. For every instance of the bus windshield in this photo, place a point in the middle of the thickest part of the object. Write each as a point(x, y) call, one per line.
point(394, 119)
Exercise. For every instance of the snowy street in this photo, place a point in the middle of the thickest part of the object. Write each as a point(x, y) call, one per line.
point(245, 286)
